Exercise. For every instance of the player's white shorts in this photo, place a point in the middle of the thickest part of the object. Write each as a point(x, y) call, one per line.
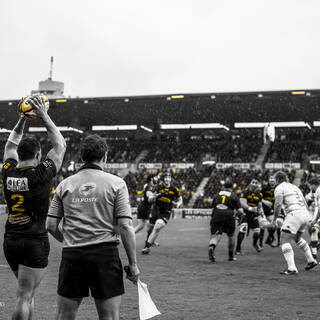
point(296, 221)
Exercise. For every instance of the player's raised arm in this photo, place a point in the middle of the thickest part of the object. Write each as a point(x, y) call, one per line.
point(10, 150)
point(58, 150)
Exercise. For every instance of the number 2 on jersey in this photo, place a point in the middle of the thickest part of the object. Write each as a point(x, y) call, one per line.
point(16, 207)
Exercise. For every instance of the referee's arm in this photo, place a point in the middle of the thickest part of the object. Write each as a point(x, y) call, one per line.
point(126, 230)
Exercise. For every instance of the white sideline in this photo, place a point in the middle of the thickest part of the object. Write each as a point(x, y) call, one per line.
point(4, 266)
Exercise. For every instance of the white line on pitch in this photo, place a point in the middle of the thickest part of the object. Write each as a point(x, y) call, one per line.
point(191, 229)
point(4, 266)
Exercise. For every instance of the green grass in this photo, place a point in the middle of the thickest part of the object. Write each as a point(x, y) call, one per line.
point(185, 285)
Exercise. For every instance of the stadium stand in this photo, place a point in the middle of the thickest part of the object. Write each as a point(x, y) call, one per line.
point(299, 145)
point(229, 145)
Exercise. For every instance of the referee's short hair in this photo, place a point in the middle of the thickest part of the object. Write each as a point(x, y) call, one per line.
point(93, 148)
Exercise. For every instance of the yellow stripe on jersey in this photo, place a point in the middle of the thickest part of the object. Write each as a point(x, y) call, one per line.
point(18, 218)
point(164, 199)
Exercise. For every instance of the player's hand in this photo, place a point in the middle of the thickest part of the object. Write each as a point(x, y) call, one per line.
point(39, 107)
point(279, 222)
point(176, 204)
point(132, 272)
point(156, 195)
point(254, 209)
point(312, 223)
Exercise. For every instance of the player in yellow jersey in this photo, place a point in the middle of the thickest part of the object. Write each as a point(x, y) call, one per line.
point(168, 196)
point(251, 202)
point(27, 179)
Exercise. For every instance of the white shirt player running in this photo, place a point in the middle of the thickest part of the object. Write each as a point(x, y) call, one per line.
point(316, 203)
point(295, 207)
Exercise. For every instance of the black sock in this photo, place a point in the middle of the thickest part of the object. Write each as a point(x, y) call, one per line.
point(261, 236)
point(149, 232)
point(279, 234)
point(239, 240)
point(271, 234)
point(255, 238)
point(231, 247)
point(148, 244)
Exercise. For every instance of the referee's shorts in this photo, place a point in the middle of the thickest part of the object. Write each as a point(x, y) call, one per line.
point(96, 267)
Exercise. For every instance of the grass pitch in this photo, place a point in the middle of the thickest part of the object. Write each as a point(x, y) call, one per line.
point(186, 286)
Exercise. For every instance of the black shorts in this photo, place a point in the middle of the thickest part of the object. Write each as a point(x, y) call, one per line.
point(157, 214)
point(97, 267)
point(267, 211)
point(32, 253)
point(252, 220)
point(143, 211)
point(223, 222)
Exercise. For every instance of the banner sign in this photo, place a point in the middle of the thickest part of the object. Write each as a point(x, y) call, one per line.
point(181, 165)
point(108, 165)
point(195, 213)
point(150, 166)
point(114, 165)
point(160, 166)
point(237, 165)
point(285, 165)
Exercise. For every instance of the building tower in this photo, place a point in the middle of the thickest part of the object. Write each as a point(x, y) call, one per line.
point(50, 88)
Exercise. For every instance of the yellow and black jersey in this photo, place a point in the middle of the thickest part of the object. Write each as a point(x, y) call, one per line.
point(27, 192)
point(253, 198)
point(226, 200)
point(268, 192)
point(166, 197)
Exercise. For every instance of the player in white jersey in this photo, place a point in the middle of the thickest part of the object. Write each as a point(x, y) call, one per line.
point(295, 222)
point(315, 219)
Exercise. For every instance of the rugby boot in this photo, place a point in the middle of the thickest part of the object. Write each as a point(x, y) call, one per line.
point(257, 247)
point(232, 258)
point(288, 272)
point(145, 250)
point(311, 265)
point(212, 258)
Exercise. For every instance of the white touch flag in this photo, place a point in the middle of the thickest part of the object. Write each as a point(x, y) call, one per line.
point(147, 308)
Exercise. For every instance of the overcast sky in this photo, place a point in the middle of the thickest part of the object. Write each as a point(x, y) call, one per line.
point(132, 47)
